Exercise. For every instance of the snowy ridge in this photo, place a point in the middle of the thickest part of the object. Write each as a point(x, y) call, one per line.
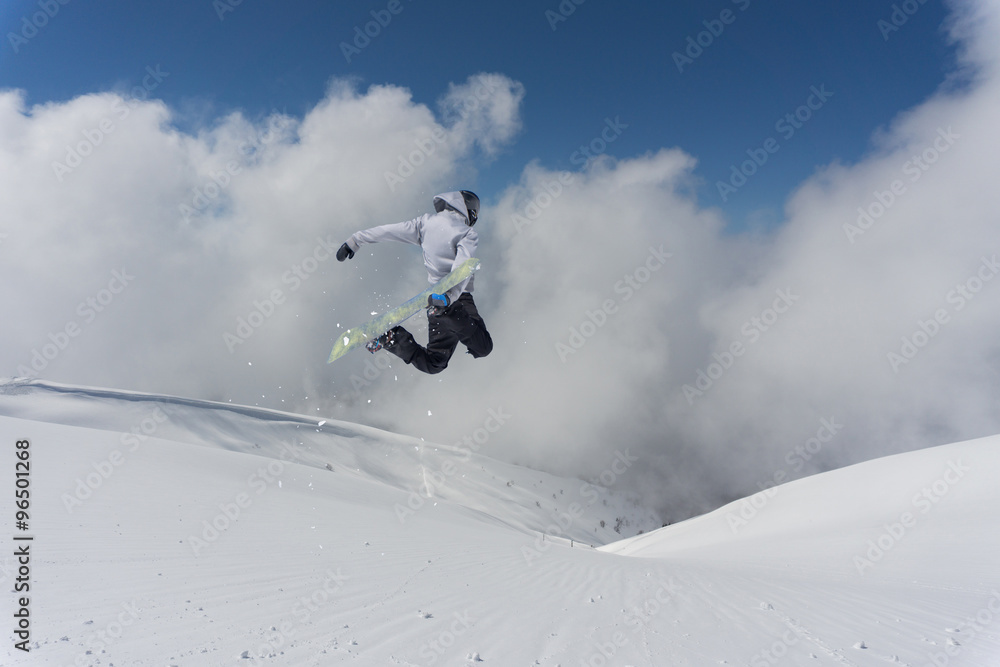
point(952, 484)
point(532, 501)
point(178, 532)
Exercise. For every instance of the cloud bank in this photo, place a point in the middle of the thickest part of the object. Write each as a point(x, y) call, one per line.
point(625, 317)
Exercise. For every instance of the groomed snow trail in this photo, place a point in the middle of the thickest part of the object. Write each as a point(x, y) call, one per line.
point(233, 536)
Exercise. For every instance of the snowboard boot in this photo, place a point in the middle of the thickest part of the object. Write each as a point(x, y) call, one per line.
point(386, 340)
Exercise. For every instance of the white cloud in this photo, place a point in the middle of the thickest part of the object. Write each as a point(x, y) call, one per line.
point(209, 225)
point(485, 110)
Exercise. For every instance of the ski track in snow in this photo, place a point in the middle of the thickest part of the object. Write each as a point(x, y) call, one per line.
point(319, 568)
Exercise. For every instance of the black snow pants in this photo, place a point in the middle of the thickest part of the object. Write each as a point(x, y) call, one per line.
point(459, 323)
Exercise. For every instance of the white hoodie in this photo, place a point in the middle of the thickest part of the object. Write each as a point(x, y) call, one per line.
point(446, 239)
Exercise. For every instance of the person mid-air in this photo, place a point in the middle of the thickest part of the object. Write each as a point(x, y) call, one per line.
point(447, 239)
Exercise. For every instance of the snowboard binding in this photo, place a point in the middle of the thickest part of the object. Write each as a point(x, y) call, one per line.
point(436, 304)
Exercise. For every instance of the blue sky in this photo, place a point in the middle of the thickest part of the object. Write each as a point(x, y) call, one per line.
point(605, 60)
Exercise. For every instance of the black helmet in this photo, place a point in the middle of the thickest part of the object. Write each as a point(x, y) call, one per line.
point(472, 204)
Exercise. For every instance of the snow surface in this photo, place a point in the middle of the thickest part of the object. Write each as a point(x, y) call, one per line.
point(171, 531)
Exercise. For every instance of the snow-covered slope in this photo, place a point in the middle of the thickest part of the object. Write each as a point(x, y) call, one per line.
point(170, 531)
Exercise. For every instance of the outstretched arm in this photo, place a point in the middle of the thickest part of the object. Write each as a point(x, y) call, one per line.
point(410, 231)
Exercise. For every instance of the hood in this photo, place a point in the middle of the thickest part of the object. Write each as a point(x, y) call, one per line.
point(456, 201)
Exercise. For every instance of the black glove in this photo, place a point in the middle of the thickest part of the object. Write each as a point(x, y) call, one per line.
point(345, 252)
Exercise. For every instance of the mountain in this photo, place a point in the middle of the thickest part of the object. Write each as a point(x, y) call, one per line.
point(171, 531)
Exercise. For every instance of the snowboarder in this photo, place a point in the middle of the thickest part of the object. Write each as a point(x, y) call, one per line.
point(447, 239)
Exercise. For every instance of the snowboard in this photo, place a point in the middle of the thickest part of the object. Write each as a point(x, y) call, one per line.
point(358, 336)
